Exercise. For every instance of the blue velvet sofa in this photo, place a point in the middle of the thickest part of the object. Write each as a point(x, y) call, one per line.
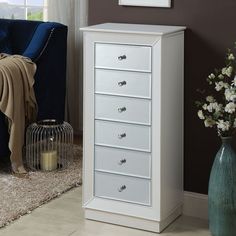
point(45, 43)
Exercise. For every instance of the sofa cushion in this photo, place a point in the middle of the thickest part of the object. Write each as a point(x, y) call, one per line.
point(24, 29)
point(4, 39)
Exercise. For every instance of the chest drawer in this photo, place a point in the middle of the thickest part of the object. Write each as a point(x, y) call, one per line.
point(124, 83)
point(123, 161)
point(122, 188)
point(131, 110)
point(136, 137)
point(123, 57)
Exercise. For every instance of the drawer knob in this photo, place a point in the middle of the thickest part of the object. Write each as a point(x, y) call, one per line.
point(121, 188)
point(121, 109)
point(123, 57)
point(122, 161)
point(122, 83)
point(120, 136)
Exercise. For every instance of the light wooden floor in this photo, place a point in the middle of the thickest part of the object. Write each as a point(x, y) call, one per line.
point(64, 217)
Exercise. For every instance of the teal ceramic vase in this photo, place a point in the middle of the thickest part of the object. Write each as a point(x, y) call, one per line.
point(222, 191)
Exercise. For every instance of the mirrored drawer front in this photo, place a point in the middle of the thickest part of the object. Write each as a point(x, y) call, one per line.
point(132, 110)
point(123, 57)
point(123, 161)
point(123, 188)
point(130, 136)
point(125, 83)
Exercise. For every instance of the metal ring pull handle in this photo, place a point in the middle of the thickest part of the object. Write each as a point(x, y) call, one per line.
point(121, 109)
point(121, 188)
point(122, 83)
point(120, 136)
point(123, 57)
point(122, 161)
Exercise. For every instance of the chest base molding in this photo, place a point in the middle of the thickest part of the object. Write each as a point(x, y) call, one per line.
point(133, 222)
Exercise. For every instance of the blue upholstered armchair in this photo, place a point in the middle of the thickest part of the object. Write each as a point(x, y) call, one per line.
point(45, 43)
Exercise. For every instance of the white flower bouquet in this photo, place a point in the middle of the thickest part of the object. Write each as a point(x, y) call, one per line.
point(219, 110)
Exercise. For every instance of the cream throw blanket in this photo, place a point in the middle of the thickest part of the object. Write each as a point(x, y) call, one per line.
point(17, 102)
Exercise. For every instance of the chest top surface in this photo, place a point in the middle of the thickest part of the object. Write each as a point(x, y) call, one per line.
point(134, 28)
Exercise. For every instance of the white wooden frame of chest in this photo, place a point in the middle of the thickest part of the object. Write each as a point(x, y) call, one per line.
point(163, 65)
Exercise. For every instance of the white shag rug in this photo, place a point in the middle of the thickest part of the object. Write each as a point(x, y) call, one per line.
point(19, 196)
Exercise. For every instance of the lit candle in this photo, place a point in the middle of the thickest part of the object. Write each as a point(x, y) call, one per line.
point(48, 160)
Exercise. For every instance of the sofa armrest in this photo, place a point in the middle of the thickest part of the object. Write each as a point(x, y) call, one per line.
point(40, 40)
point(50, 77)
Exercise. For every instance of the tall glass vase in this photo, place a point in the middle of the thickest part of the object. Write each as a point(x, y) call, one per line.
point(222, 191)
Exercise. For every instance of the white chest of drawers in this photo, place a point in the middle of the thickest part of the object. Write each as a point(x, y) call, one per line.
point(133, 124)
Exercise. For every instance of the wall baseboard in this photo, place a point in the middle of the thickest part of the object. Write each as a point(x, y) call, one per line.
point(195, 205)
